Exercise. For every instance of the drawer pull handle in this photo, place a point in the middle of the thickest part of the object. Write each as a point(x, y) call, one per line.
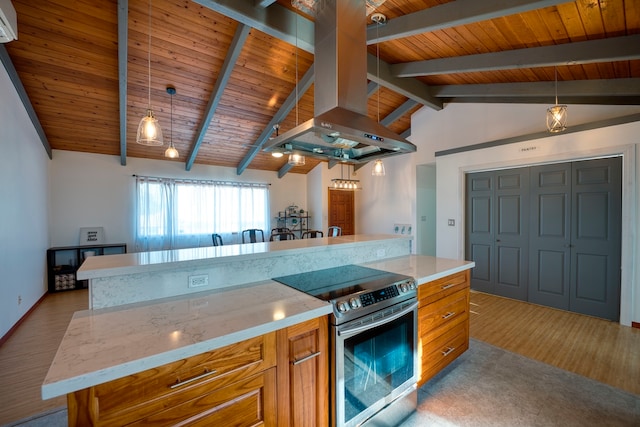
point(304, 359)
point(448, 351)
point(450, 285)
point(449, 314)
point(190, 380)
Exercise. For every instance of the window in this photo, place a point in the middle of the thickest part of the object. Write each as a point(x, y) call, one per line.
point(175, 213)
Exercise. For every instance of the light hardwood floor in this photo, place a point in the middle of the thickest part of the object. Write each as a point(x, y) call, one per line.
point(595, 348)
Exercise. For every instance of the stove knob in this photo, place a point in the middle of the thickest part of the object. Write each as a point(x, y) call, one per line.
point(343, 306)
point(412, 285)
point(354, 303)
point(404, 287)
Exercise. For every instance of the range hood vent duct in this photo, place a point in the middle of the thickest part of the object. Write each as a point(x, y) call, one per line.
point(341, 129)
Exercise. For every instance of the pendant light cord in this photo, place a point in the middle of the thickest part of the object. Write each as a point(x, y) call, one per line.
point(297, 94)
point(556, 77)
point(149, 55)
point(378, 66)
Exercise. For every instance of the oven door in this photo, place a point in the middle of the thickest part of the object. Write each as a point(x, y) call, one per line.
point(375, 362)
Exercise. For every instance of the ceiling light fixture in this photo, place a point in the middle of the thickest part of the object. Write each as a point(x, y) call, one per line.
point(345, 184)
point(296, 159)
point(171, 152)
point(277, 153)
point(378, 168)
point(379, 19)
point(557, 115)
point(149, 130)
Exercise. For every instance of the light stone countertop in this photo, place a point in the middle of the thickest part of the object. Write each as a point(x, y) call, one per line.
point(146, 262)
point(105, 344)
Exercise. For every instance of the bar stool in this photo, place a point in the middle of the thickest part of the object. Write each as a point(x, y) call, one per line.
point(334, 231)
point(253, 235)
point(217, 239)
point(312, 234)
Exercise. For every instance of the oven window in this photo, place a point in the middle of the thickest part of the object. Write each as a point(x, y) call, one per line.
point(376, 362)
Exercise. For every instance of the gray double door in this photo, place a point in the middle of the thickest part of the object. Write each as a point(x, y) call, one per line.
point(548, 234)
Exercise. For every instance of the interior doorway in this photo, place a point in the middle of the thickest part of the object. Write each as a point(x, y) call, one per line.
point(341, 210)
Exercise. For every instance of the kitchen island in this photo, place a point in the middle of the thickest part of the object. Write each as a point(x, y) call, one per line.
point(107, 344)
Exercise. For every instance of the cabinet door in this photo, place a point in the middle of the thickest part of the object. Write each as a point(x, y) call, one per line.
point(303, 393)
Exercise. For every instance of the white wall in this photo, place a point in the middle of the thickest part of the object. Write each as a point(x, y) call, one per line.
point(94, 190)
point(442, 130)
point(24, 228)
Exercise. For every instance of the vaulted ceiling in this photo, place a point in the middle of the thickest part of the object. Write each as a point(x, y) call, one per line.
point(239, 67)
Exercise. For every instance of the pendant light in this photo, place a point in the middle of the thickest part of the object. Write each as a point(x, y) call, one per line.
point(171, 152)
point(296, 159)
point(557, 115)
point(149, 130)
point(378, 18)
point(378, 168)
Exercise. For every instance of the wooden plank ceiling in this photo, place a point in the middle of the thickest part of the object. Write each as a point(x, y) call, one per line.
point(431, 52)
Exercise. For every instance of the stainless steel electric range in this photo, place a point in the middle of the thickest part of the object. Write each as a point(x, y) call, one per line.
point(374, 364)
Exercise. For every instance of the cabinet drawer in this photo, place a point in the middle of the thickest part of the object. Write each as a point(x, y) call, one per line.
point(443, 350)
point(150, 391)
point(245, 403)
point(436, 289)
point(435, 318)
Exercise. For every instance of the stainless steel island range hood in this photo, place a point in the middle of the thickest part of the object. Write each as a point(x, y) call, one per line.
point(341, 129)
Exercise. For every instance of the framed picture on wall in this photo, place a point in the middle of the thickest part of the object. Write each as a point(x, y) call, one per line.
point(91, 235)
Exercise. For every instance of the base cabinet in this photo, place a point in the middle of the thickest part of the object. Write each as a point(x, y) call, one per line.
point(303, 363)
point(443, 322)
point(277, 379)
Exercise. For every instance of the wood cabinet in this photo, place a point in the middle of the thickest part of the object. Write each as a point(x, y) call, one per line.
point(277, 379)
point(303, 393)
point(233, 385)
point(443, 322)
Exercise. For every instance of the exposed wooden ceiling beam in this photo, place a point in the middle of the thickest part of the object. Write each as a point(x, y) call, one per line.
point(303, 85)
point(223, 77)
point(398, 112)
point(411, 88)
point(22, 94)
point(123, 53)
point(525, 92)
point(264, 3)
point(459, 12)
point(585, 52)
point(275, 20)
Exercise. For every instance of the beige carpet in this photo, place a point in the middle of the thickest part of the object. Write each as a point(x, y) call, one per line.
point(488, 386)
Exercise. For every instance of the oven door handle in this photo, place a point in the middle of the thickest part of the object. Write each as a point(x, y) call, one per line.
point(357, 329)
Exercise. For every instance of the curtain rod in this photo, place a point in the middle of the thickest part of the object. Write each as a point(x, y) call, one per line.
point(202, 180)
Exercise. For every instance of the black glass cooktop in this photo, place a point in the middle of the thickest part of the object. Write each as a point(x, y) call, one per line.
point(336, 282)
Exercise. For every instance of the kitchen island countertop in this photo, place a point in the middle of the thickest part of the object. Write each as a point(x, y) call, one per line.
point(105, 344)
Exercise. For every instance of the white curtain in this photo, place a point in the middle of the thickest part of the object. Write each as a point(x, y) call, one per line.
point(176, 213)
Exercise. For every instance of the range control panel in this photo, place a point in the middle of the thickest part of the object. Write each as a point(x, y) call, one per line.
point(374, 297)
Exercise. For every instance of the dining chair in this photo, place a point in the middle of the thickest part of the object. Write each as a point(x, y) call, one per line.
point(334, 231)
point(285, 235)
point(312, 234)
point(217, 239)
point(280, 230)
point(253, 235)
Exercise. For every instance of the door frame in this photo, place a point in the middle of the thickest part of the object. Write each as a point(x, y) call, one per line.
point(629, 273)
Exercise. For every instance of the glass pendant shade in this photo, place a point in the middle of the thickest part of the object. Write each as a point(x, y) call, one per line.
point(149, 130)
point(171, 152)
point(277, 154)
point(296, 159)
point(378, 168)
point(557, 118)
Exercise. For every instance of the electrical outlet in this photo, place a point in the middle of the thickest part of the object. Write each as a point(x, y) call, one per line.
point(19, 299)
point(452, 222)
point(199, 281)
